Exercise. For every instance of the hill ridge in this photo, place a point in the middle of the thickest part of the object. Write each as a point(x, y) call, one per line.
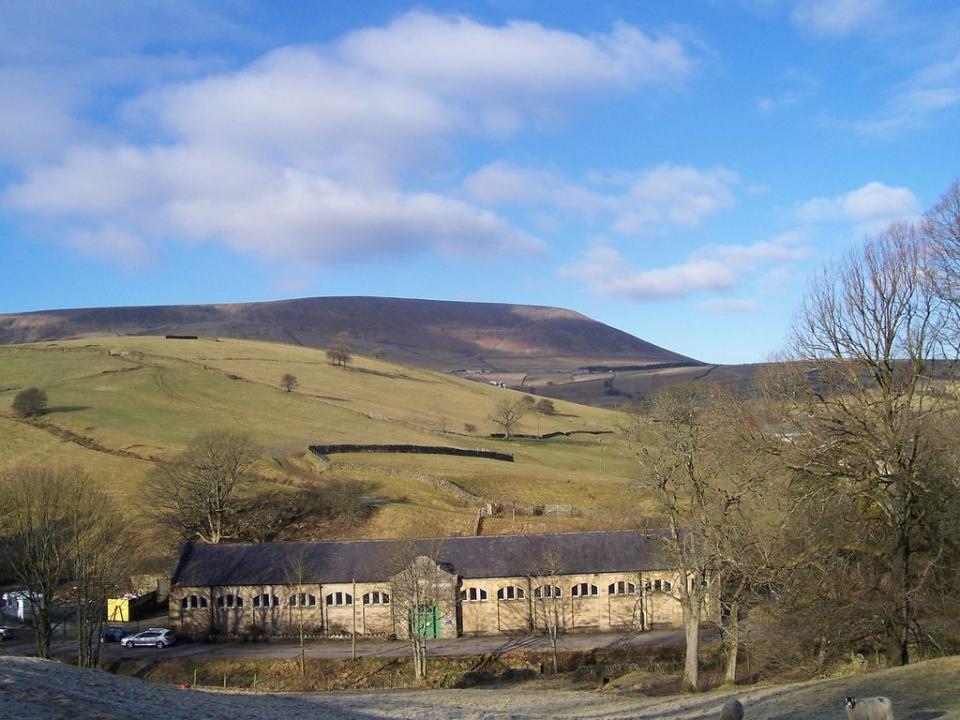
point(446, 335)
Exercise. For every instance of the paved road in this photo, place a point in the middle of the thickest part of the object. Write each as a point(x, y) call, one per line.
point(23, 645)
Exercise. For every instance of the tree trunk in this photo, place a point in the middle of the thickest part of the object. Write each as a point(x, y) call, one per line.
point(733, 645)
point(691, 661)
point(906, 611)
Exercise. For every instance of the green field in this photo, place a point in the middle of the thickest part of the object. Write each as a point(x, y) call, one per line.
point(117, 404)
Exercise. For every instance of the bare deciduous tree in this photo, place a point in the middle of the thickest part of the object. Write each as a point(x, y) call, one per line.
point(547, 601)
point(508, 415)
point(865, 417)
point(197, 493)
point(420, 592)
point(63, 535)
point(685, 475)
point(297, 577)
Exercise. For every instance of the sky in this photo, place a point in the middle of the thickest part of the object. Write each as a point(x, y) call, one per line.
point(676, 170)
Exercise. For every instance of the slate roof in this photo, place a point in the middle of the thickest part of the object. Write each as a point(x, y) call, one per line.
point(378, 560)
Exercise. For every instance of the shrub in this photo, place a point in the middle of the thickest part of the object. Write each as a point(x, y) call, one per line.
point(29, 402)
point(546, 407)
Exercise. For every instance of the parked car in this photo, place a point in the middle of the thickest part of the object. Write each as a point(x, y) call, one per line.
point(113, 633)
point(157, 637)
point(6, 633)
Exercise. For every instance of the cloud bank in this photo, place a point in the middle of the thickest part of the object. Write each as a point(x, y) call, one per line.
point(324, 154)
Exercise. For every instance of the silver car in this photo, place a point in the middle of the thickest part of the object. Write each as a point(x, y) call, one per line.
point(156, 637)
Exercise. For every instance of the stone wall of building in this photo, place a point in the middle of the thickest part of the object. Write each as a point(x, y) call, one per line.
point(487, 606)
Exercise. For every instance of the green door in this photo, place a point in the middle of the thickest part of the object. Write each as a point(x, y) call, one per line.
point(428, 623)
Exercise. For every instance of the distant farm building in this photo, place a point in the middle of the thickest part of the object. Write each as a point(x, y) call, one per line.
point(481, 585)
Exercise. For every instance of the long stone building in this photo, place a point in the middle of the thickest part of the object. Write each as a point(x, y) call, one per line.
point(439, 588)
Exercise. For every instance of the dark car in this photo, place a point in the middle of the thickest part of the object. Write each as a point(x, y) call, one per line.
point(113, 633)
point(6, 633)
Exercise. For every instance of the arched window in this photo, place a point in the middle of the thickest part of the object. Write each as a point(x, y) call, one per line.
point(303, 600)
point(265, 600)
point(229, 601)
point(547, 591)
point(622, 587)
point(511, 592)
point(658, 586)
point(192, 602)
point(473, 594)
point(376, 597)
point(339, 598)
point(584, 590)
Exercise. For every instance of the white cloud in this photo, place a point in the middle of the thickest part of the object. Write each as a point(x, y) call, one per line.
point(459, 56)
point(869, 207)
point(634, 203)
point(317, 153)
point(836, 17)
point(718, 268)
point(113, 244)
point(257, 208)
point(604, 270)
point(929, 92)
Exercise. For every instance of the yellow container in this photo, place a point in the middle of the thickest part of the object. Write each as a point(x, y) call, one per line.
point(118, 610)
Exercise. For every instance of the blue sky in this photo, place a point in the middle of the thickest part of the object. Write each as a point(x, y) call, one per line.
point(675, 170)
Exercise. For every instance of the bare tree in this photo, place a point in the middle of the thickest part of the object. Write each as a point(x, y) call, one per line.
point(941, 230)
point(62, 534)
point(297, 576)
point(34, 513)
point(865, 417)
point(198, 493)
point(339, 352)
point(289, 382)
point(508, 415)
point(99, 560)
point(683, 476)
point(422, 589)
point(547, 601)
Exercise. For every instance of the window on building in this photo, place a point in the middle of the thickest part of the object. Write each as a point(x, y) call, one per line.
point(303, 600)
point(265, 600)
point(622, 587)
point(511, 592)
point(584, 590)
point(473, 595)
point(376, 598)
point(339, 598)
point(547, 591)
point(658, 585)
point(192, 602)
point(229, 601)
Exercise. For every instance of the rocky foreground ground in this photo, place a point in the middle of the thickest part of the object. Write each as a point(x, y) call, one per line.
point(36, 689)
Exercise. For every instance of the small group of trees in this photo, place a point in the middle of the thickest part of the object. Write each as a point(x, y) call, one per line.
point(339, 353)
point(507, 414)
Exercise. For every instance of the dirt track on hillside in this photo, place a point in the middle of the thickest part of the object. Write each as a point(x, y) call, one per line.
point(32, 689)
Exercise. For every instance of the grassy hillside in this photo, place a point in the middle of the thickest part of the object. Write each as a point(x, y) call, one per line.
point(118, 404)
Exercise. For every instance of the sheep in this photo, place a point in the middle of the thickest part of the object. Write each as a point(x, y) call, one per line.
point(732, 710)
point(875, 708)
